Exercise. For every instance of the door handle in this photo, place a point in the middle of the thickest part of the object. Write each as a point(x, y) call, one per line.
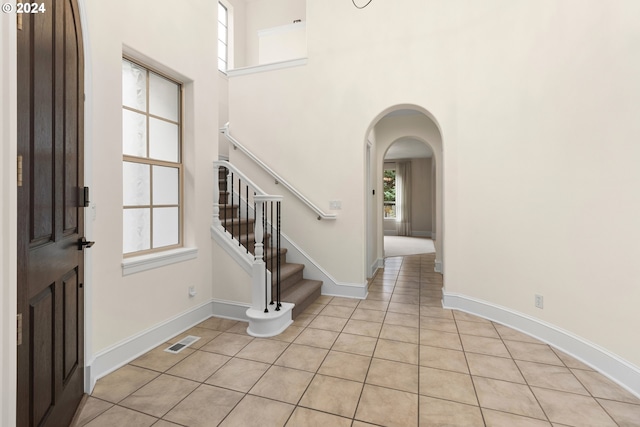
point(82, 243)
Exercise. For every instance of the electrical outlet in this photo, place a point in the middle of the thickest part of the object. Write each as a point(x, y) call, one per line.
point(539, 301)
point(335, 205)
point(192, 291)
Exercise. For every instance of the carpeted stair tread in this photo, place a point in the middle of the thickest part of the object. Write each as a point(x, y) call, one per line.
point(272, 253)
point(290, 275)
point(302, 295)
point(239, 225)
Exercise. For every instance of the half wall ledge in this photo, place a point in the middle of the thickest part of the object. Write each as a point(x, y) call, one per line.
point(254, 69)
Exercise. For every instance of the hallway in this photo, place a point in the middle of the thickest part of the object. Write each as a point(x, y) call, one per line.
point(394, 359)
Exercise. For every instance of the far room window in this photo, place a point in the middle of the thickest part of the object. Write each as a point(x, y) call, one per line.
point(389, 190)
point(151, 161)
point(223, 37)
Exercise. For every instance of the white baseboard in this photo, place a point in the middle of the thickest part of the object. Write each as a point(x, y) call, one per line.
point(112, 358)
point(612, 366)
point(377, 265)
point(346, 290)
point(120, 354)
point(230, 310)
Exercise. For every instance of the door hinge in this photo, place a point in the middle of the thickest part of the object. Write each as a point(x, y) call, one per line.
point(19, 19)
point(84, 197)
point(19, 329)
point(19, 171)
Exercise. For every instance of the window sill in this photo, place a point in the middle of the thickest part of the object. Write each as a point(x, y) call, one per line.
point(156, 260)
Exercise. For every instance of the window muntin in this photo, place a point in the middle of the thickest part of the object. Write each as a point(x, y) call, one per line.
point(152, 160)
point(223, 37)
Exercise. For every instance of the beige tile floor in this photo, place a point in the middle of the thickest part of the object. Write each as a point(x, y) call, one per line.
point(394, 359)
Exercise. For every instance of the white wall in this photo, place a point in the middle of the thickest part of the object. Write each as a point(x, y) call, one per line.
point(537, 104)
point(157, 33)
point(8, 219)
point(237, 38)
point(372, 262)
point(223, 113)
point(238, 33)
point(282, 43)
point(233, 282)
point(546, 185)
point(263, 14)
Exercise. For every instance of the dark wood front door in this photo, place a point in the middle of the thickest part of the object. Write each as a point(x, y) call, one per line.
point(50, 215)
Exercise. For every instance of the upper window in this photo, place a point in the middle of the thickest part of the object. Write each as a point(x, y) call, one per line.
point(223, 37)
point(152, 163)
point(389, 189)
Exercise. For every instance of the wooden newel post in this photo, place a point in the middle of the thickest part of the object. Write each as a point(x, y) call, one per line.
point(259, 291)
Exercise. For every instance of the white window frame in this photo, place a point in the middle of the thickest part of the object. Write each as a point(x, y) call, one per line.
point(227, 44)
point(391, 167)
point(169, 249)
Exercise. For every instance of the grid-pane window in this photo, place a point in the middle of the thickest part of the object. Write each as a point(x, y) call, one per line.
point(223, 37)
point(152, 164)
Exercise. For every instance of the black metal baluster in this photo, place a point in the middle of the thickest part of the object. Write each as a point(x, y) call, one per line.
point(232, 205)
point(240, 213)
point(271, 246)
point(246, 217)
point(267, 285)
point(278, 254)
point(226, 195)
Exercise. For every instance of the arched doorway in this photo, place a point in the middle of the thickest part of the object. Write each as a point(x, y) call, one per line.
point(408, 214)
point(398, 123)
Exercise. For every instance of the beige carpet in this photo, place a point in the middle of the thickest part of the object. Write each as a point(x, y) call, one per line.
point(401, 246)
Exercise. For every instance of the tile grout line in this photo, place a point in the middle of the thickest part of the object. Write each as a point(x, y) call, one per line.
point(203, 383)
point(364, 381)
point(466, 359)
point(502, 340)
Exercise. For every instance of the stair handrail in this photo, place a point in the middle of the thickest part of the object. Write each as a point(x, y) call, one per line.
point(279, 180)
point(245, 178)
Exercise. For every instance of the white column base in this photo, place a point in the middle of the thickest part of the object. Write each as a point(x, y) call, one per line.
point(269, 324)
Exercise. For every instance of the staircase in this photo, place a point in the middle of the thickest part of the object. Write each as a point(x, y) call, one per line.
point(294, 288)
